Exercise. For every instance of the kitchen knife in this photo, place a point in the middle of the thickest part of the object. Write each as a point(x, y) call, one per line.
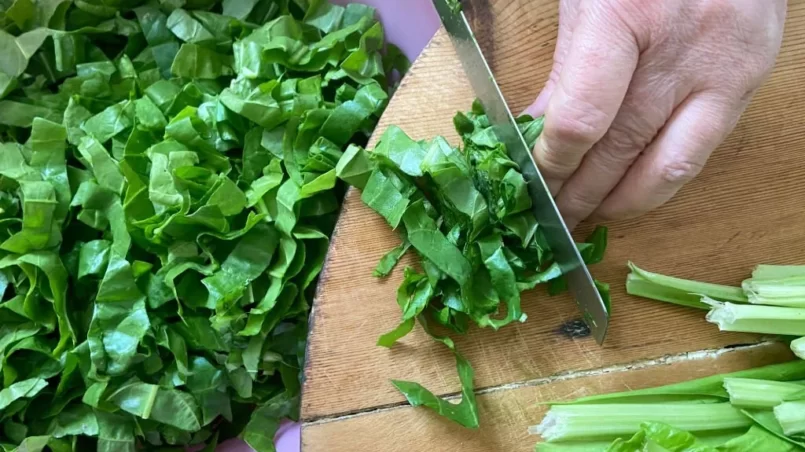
point(488, 93)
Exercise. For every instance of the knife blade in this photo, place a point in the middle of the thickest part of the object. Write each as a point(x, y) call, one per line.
point(558, 236)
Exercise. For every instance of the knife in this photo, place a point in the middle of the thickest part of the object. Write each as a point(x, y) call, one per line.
point(559, 239)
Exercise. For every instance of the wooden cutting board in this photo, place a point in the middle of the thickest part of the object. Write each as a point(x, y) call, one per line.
point(747, 207)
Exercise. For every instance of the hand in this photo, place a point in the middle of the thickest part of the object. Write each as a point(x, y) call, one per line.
point(640, 94)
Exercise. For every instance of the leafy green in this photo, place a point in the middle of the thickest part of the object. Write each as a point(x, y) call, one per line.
point(467, 214)
point(167, 193)
point(465, 412)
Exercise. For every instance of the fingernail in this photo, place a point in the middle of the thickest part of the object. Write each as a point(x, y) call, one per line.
point(537, 108)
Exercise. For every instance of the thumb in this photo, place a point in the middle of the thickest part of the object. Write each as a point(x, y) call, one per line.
point(567, 21)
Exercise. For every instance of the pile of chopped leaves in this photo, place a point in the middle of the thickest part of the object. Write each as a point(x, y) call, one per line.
point(467, 214)
point(167, 190)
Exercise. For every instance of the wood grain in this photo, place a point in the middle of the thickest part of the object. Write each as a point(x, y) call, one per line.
point(745, 208)
point(506, 415)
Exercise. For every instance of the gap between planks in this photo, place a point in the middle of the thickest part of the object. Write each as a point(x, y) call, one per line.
point(563, 376)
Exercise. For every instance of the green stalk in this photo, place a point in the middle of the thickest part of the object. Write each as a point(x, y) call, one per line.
point(639, 287)
point(777, 271)
point(752, 393)
point(589, 422)
point(798, 347)
point(791, 416)
point(789, 291)
point(756, 319)
point(677, 290)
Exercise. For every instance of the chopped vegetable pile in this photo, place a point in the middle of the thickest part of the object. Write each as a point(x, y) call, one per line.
point(748, 411)
point(167, 190)
point(466, 212)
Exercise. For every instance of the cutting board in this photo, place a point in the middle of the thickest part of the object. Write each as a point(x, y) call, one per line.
point(746, 207)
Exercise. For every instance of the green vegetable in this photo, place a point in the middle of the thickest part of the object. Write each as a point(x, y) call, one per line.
point(653, 435)
point(717, 409)
point(679, 291)
point(791, 416)
point(167, 192)
point(754, 393)
point(788, 291)
point(774, 291)
point(466, 213)
point(798, 347)
point(602, 421)
point(756, 319)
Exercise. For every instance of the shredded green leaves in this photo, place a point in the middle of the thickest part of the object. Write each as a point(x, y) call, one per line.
point(466, 213)
point(167, 191)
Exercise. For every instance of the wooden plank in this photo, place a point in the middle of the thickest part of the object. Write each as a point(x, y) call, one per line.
point(506, 414)
point(744, 209)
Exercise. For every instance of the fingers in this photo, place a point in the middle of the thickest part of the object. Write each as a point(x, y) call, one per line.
point(635, 126)
point(594, 78)
point(675, 157)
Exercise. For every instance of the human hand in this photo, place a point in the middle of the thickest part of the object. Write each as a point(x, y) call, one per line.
point(640, 94)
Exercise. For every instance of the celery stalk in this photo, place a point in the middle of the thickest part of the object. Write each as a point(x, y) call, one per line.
point(639, 287)
point(756, 319)
point(588, 422)
point(789, 292)
point(677, 290)
point(777, 271)
point(791, 416)
point(798, 347)
point(752, 393)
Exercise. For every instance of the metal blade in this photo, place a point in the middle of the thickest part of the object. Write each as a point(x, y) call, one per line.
point(561, 242)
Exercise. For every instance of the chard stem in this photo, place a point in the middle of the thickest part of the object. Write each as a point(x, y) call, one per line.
point(685, 286)
point(791, 416)
point(753, 393)
point(588, 422)
point(756, 319)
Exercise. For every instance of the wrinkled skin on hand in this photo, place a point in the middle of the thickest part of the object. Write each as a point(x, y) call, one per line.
point(640, 94)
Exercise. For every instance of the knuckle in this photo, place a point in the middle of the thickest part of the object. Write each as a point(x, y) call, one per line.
point(554, 163)
point(582, 202)
point(678, 172)
point(579, 124)
point(624, 141)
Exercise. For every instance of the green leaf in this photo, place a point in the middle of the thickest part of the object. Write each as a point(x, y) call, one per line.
point(74, 421)
point(390, 259)
point(196, 62)
point(755, 439)
point(248, 260)
point(265, 421)
point(21, 389)
point(168, 406)
point(503, 280)
point(208, 386)
point(433, 245)
point(115, 432)
point(464, 413)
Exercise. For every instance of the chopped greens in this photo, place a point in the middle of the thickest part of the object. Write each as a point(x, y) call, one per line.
point(466, 213)
point(746, 411)
point(167, 192)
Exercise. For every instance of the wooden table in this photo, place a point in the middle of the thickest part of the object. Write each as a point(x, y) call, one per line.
point(747, 207)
